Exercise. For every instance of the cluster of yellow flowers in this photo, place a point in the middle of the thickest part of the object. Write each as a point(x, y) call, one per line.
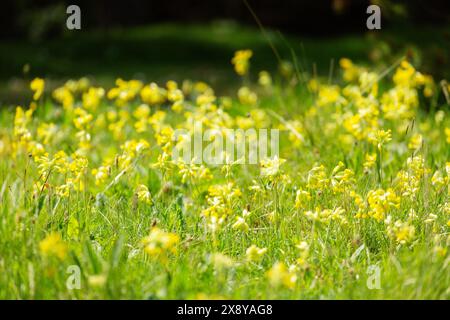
point(376, 168)
point(160, 244)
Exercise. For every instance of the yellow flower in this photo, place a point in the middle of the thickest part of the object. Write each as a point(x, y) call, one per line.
point(271, 167)
point(221, 261)
point(241, 61)
point(91, 99)
point(380, 137)
point(447, 134)
point(159, 243)
point(37, 85)
point(370, 158)
point(240, 224)
point(415, 142)
point(351, 71)
point(53, 245)
point(329, 95)
point(381, 202)
point(101, 174)
point(265, 79)
point(304, 253)
point(144, 194)
point(253, 253)
point(401, 232)
point(247, 97)
point(327, 215)
point(153, 94)
point(302, 199)
point(317, 178)
point(438, 180)
point(279, 275)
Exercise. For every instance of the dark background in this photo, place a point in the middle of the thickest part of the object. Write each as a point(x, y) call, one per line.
point(158, 40)
point(41, 18)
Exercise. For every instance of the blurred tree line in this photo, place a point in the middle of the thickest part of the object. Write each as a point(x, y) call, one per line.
point(37, 20)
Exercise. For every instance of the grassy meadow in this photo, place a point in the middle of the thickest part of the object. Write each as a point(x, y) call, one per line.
point(93, 205)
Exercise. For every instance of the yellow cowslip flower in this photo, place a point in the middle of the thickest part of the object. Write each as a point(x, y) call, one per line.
point(64, 96)
point(253, 253)
point(244, 122)
point(280, 275)
point(143, 194)
point(206, 99)
point(241, 61)
point(240, 224)
point(329, 95)
point(46, 132)
point(401, 232)
point(296, 132)
point(160, 243)
point(369, 80)
point(142, 111)
point(404, 75)
point(79, 85)
point(342, 180)
point(351, 71)
point(165, 137)
point(447, 134)
point(101, 174)
point(381, 202)
point(370, 160)
point(124, 91)
point(302, 198)
point(92, 98)
point(345, 63)
point(175, 95)
point(221, 199)
point(304, 254)
point(214, 221)
point(327, 215)
point(133, 147)
point(317, 178)
point(153, 94)
point(37, 85)
point(221, 261)
point(247, 97)
point(265, 80)
point(53, 246)
point(271, 167)
point(415, 142)
point(83, 119)
point(380, 137)
point(260, 118)
point(313, 85)
point(407, 182)
point(193, 172)
point(440, 251)
point(438, 180)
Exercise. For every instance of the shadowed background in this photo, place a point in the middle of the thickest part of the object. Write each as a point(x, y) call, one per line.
point(161, 40)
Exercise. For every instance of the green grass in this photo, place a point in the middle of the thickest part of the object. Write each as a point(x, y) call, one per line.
point(105, 240)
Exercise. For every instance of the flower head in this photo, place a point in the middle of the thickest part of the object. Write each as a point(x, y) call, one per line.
point(53, 246)
point(241, 61)
point(37, 85)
